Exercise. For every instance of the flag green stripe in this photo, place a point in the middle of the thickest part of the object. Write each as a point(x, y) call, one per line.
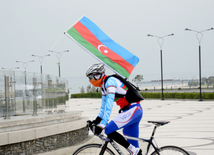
point(74, 34)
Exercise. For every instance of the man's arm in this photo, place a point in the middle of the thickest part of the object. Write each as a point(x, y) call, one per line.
point(110, 86)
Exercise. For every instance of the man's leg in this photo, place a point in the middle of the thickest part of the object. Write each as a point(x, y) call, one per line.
point(133, 131)
point(113, 134)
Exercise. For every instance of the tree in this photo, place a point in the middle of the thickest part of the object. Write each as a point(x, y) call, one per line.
point(93, 89)
point(137, 79)
point(82, 90)
point(210, 80)
point(48, 77)
point(88, 89)
point(192, 83)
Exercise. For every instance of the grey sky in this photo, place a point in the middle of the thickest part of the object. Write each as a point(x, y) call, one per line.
point(33, 27)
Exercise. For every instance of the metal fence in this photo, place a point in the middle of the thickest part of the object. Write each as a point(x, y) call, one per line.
point(29, 93)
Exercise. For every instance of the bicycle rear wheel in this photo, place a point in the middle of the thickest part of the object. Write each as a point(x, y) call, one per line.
point(92, 149)
point(172, 150)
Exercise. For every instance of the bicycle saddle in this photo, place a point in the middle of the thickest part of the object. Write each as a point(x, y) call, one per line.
point(159, 123)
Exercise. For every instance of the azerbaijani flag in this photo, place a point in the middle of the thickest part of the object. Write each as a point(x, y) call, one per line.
point(91, 38)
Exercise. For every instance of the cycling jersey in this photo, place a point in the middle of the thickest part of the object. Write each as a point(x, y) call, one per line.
point(129, 119)
point(112, 88)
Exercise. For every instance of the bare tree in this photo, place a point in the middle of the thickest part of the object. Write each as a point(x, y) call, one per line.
point(82, 90)
point(137, 79)
point(88, 89)
point(93, 89)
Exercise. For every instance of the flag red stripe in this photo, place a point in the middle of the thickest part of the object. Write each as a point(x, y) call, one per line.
point(88, 36)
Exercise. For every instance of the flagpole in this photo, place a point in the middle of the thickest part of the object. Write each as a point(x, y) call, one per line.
point(64, 33)
point(56, 43)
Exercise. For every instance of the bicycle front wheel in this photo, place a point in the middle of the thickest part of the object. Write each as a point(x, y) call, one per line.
point(172, 150)
point(92, 149)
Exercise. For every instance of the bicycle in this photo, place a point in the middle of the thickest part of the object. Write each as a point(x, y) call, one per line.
point(102, 149)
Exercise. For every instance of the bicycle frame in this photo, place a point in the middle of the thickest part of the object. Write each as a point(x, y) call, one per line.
point(115, 146)
point(149, 141)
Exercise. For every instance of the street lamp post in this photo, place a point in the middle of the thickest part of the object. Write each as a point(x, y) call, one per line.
point(41, 60)
point(199, 36)
point(13, 86)
point(10, 69)
point(59, 54)
point(160, 42)
point(25, 64)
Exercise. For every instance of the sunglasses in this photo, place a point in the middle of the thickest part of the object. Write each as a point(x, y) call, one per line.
point(90, 77)
point(95, 76)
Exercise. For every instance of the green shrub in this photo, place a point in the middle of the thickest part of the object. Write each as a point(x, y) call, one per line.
point(87, 95)
point(156, 95)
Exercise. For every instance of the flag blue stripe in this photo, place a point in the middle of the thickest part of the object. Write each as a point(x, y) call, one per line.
point(108, 42)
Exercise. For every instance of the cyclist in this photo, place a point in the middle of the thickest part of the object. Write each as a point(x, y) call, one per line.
point(114, 90)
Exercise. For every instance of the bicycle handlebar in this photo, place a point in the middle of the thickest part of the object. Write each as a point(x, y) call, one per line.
point(92, 128)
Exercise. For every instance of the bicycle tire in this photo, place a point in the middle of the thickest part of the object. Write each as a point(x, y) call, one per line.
point(172, 150)
point(92, 149)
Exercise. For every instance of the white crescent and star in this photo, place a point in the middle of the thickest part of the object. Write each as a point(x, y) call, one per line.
point(99, 48)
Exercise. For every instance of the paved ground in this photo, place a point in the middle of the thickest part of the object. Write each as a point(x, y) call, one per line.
point(191, 127)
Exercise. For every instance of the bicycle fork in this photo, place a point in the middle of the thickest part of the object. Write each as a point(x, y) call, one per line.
point(103, 148)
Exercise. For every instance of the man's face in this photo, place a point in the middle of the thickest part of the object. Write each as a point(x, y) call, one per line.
point(91, 78)
point(94, 77)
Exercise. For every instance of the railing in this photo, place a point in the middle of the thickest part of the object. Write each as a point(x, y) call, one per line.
point(29, 93)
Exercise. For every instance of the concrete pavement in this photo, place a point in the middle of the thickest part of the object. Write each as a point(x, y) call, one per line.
point(191, 122)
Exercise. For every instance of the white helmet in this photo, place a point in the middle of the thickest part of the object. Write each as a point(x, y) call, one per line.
point(95, 69)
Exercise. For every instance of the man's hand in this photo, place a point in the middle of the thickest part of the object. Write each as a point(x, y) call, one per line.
point(98, 130)
point(97, 120)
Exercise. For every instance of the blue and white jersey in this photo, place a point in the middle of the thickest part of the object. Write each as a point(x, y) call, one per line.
point(115, 90)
